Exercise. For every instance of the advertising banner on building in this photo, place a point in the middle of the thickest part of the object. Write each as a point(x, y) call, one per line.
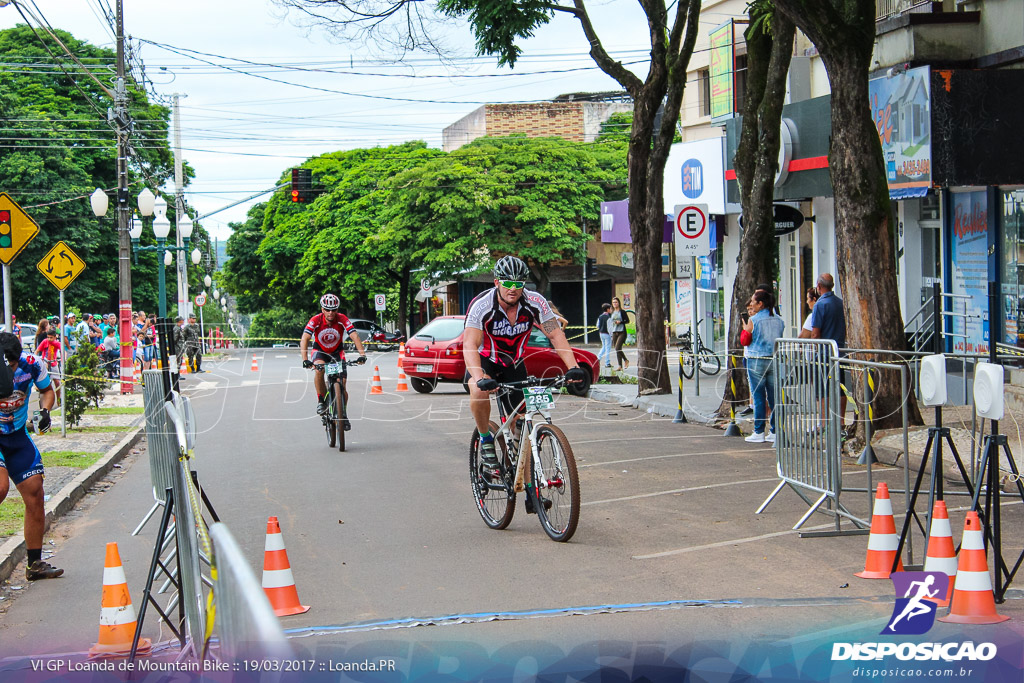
point(695, 174)
point(901, 107)
point(969, 272)
point(723, 71)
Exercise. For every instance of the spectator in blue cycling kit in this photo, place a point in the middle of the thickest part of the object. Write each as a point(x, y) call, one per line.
point(498, 325)
point(327, 330)
point(20, 461)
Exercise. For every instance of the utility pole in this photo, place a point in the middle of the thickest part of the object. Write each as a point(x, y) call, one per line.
point(179, 212)
point(123, 214)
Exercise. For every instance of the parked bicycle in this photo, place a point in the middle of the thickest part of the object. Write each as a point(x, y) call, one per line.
point(534, 457)
point(335, 418)
point(704, 358)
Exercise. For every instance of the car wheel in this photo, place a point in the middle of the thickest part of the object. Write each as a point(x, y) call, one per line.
point(583, 387)
point(420, 385)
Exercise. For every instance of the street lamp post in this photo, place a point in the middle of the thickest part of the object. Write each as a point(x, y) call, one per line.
point(100, 202)
point(161, 229)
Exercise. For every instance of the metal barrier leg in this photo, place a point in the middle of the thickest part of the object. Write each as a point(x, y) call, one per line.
point(811, 511)
point(770, 497)
point(156, 506)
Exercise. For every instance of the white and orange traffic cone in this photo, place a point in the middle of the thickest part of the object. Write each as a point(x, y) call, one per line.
point(278, 583)
point(117, 616)
point(403, 384)
point(375, 386)
point(255, 364)
point(973, 600)
point(401, 354)
point(183, 370)
point(941, 555)
point(883, 541)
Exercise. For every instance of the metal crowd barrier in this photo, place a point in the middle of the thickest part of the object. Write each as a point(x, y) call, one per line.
point(163, 459)
point(246, 624)
point(807, 447)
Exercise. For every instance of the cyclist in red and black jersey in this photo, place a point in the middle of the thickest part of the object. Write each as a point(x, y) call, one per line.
point(498, 324)
point(327, 330)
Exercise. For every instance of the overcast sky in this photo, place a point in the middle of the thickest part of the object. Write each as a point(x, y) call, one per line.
point(240, 132)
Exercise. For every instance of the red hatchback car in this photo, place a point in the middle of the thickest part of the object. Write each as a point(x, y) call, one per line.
point(434, 354)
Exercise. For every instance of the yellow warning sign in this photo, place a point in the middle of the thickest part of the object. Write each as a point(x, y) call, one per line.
point(61, 265)
point(16, 229)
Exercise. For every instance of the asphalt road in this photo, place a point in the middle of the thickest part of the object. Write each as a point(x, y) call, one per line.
point(668, 553)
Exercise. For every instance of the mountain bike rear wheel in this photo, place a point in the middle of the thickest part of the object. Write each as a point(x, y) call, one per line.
point(557, 482)
point(495, 498)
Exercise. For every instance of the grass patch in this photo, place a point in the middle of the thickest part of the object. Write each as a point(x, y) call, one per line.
point(123, 410)
point(617, 378)
point(99, 429)
point(77, 459)
point(12, 516)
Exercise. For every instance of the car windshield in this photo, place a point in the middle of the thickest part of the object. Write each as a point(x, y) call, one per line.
point(442, 329)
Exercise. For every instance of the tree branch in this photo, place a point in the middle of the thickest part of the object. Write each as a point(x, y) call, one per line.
point(626, 78)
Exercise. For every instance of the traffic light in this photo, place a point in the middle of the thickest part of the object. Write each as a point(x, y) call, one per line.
point(302, 185)
point(6, 240)
point(591, 267)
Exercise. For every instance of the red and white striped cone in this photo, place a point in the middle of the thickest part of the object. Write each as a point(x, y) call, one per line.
point(278, 583)
point(973, 600)
point(941, 554)
point(117, 615)
point(883, 541)
point(255, 364)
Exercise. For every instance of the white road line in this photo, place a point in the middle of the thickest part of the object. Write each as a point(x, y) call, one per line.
point(670, 455)
point(737, 541)
point(691, 488)
point(646, 438)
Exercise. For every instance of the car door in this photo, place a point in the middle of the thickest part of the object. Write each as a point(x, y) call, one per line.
point(541, 359)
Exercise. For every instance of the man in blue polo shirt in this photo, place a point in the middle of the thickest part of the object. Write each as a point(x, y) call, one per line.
point(828, 321)
point(20, 461)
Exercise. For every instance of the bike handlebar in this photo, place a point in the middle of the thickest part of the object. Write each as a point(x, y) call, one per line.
point(534, 382)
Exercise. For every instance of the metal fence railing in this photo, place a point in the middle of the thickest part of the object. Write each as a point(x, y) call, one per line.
point(807, 441)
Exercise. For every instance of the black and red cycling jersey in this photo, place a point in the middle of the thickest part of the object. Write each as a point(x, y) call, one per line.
point(328, 337)
point(505, 340)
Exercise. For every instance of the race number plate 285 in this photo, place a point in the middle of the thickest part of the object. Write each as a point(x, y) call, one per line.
point(539, 398)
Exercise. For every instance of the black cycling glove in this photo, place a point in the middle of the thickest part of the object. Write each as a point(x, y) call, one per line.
point(307, 364)
point(487, 384)
point(360, 360)
point(43, 425)
point(576, 375)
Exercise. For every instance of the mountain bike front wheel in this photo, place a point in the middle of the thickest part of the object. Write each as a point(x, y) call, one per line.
point(330, 427)
point(338, 418)
point(556, 484)
point(495, 498)
point(689, 365)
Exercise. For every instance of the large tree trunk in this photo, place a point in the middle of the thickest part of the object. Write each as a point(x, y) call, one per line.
point(756, 165)
point(843, 31)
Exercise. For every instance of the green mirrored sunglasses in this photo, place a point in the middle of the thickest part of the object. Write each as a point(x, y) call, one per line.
point(512, 284)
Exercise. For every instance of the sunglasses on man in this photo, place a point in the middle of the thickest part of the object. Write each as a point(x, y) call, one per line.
point(512, 284)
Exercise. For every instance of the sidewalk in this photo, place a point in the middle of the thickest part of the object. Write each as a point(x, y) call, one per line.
point(697, 409)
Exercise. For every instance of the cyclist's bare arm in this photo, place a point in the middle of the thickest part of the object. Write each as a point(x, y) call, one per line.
point(354, 336)
point(555, 333)
point(471, 341)
point(304, 346)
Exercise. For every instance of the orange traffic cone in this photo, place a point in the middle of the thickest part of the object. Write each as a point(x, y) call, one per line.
point(401, 354)
point(973, 601)
point(941, 555)
point(402, 384)
point(375, 386)
point(255, 365)
point(117, 616)
point(278, 583)
point(883, 541)
point(183, 370)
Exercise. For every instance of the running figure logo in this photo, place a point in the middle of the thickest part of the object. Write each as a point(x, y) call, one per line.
point(914, 612)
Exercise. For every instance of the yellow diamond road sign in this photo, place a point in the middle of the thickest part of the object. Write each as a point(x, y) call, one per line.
point(61, 265)
point(16, 229)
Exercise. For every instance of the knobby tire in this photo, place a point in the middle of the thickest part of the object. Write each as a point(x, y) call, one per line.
point(496, 504)
point(339, 413)
point(557, 461)
point(709, 360)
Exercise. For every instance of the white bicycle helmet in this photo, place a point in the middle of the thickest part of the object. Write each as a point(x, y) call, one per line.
point(511, 268)
point(329, 302)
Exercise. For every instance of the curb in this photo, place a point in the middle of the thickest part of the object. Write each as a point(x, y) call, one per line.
point(649, 405)
point(13, 549)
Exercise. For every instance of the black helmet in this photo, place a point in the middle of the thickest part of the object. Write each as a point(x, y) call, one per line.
point(511, 268)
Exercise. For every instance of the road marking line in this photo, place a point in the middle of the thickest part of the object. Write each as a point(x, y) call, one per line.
point(736, 541)
point(672, 455)
point(691, 488)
